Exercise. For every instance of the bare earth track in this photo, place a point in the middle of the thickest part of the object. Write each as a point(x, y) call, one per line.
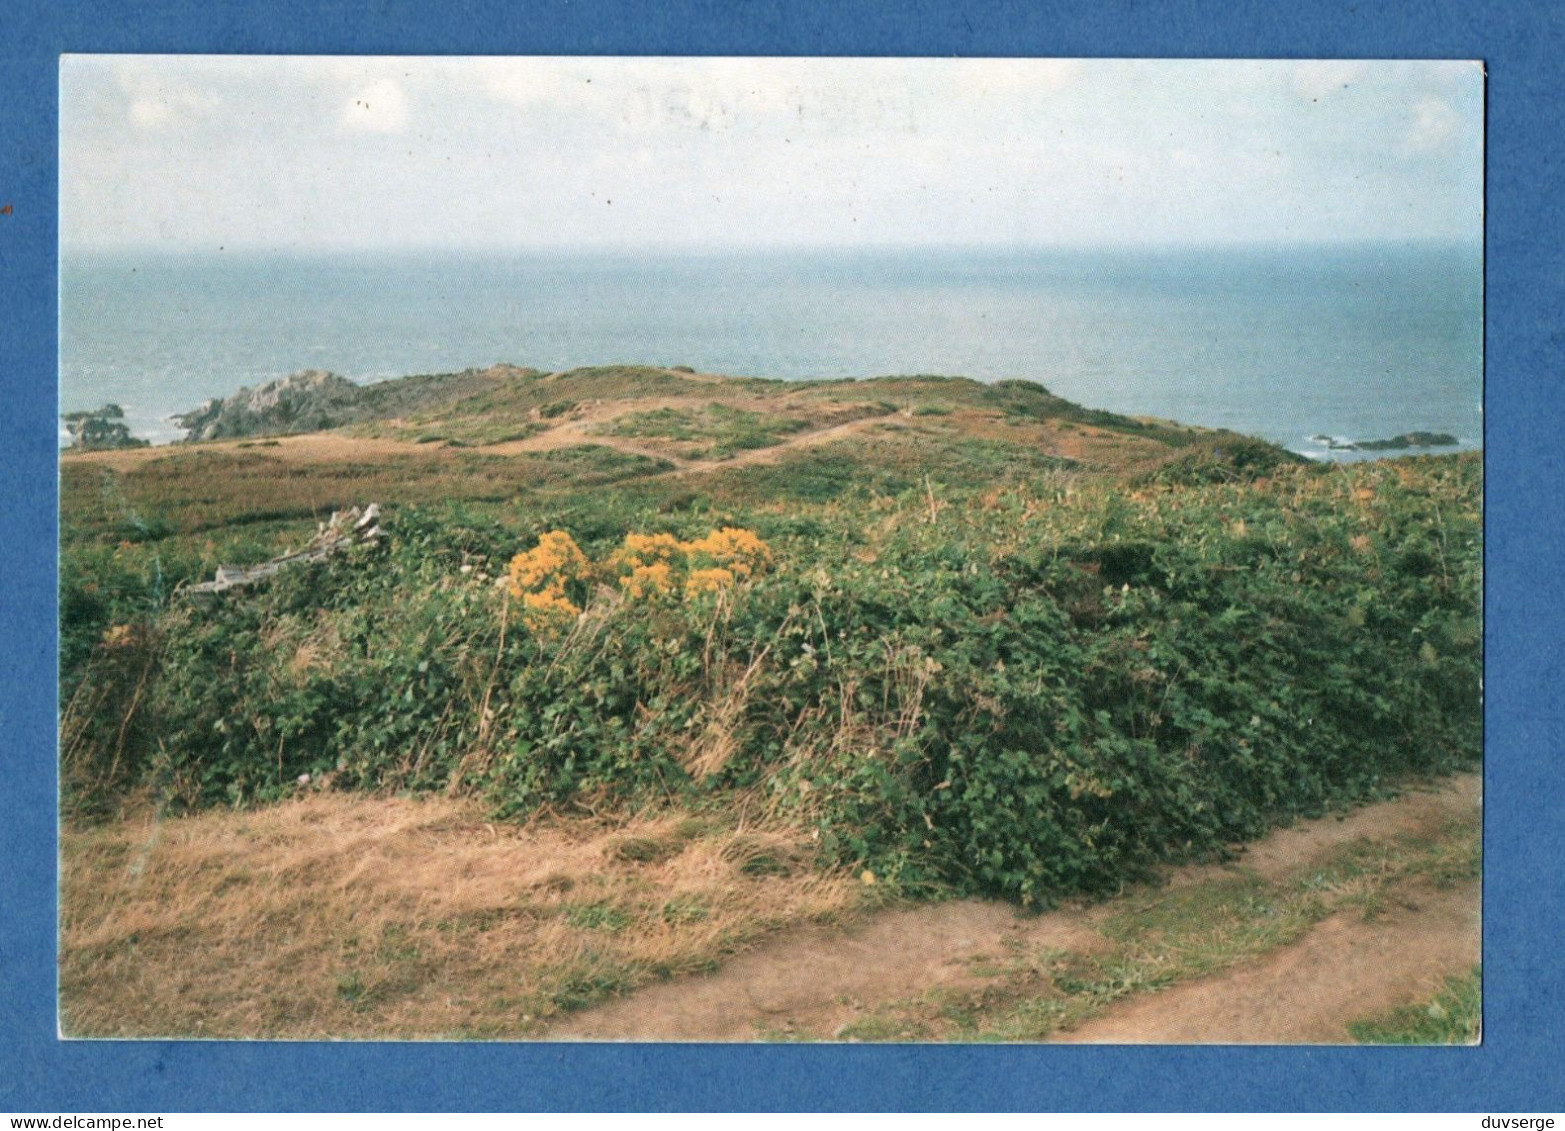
point(813, 982)
point(1344, 970)
point(331, 447)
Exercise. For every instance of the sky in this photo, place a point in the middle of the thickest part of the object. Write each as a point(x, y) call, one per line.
point(201, 153)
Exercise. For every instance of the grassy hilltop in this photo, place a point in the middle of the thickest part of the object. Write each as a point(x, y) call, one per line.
point(934, 635)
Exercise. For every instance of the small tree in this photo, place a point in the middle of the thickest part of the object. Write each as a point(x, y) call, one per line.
point(101, 428)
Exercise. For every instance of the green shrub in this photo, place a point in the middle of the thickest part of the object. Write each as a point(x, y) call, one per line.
point(1029, 692)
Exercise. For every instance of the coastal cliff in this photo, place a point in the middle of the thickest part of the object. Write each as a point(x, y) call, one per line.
point(303, 402)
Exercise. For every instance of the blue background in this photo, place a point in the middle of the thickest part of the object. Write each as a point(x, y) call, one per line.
point(1519, 1065)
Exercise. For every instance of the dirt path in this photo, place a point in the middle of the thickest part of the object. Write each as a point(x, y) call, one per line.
point(330, 447)
point(816, 980)
point(1344, 970)
point(581, 431)
point(818, 438)
point(813, 982)
point(574, 433)
point(1308, 841)
point(302, 448)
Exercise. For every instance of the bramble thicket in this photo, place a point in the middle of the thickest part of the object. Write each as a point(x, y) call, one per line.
point(1030, 689)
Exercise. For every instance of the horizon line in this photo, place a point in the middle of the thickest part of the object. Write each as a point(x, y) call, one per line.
point(490, 251)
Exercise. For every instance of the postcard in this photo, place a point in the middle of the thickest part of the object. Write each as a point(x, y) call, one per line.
point(802, 550)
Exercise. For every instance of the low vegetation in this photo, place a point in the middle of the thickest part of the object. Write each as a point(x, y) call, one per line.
point(1452, 1017)
point(1008, 646)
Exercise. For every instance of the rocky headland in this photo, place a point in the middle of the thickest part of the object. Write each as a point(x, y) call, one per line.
point(314, 400)
point(303, 402)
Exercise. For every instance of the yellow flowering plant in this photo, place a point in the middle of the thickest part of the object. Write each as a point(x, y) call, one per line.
point(659, 565)
point(552, 577)
point(541, 577)
point(707, 581)
point(643, 581)
point(738, 551)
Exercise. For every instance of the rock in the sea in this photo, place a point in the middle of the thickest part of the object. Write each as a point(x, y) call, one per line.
point(303, 402)
point(1409, 440)
point(100, 430)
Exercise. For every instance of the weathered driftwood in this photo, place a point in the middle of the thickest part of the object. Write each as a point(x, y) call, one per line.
point(346, 528)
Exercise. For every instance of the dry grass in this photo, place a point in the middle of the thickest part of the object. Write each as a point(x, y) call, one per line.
point(205, 488)
point(346, 916)
point(299, 480)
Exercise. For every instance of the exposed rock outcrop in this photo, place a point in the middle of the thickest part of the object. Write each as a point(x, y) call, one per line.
point(1395, 444)
point(1410, 440)
point(304, 402)
point(312, 401)
point(102, 429)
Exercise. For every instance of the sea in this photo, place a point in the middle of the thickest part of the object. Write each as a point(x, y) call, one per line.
point(1293, 344)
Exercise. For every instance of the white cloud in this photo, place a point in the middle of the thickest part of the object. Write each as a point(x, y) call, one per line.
point(381, 107)
point(530, 151)
point(1433, 123)
point(150, 113)
point(157, 104)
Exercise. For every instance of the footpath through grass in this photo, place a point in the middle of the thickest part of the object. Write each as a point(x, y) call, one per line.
point(1157, 940)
